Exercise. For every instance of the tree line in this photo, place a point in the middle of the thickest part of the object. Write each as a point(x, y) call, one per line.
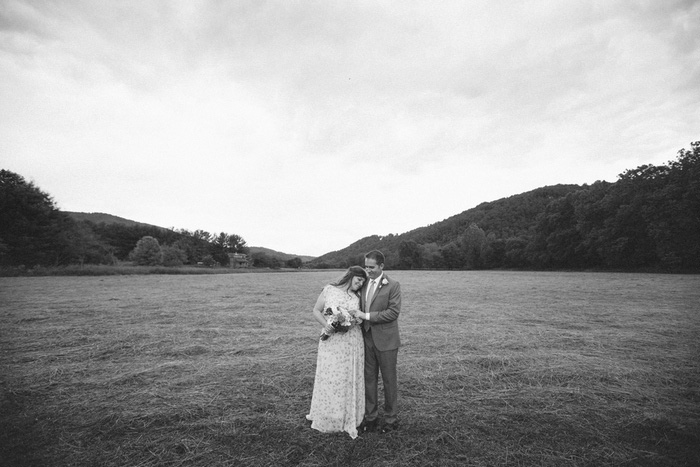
point(649, 219)
point(34, 232)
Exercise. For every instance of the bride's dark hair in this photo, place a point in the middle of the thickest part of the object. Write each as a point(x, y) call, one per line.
point(353, 271)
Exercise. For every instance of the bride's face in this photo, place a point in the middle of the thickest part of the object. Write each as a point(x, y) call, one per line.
point(356, 283)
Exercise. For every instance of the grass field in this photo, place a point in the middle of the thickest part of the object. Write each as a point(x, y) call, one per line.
point(497, 368)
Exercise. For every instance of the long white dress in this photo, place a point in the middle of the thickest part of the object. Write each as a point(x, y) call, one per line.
point(338, 399)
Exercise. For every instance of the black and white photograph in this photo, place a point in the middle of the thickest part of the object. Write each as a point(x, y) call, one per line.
point(350, 233)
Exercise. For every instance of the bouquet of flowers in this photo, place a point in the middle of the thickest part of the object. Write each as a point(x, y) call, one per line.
point(339, 319)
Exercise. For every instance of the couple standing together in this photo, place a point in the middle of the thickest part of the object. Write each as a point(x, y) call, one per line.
point(345, 394)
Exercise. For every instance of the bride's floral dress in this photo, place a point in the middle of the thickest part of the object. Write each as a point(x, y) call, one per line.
point(338, 399)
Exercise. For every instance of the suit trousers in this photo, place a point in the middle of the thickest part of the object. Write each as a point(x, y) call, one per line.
point(376, 361)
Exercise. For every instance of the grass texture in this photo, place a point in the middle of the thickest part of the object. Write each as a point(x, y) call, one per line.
point(497, 369)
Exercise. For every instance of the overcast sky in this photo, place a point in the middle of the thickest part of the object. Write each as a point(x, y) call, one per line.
point(304, 126)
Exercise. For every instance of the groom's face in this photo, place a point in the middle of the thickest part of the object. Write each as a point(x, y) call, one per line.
point(373, 269)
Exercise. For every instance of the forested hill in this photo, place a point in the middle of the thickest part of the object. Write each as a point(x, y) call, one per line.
point(437, 245)
point(100, 217)
point(35, 233)
point(649, 219)
point(253, 250)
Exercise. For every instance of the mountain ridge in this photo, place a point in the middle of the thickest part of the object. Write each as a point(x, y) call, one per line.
point(99, 217)
point(509, 217)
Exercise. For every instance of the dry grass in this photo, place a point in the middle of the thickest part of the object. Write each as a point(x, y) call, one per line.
point(498, 368)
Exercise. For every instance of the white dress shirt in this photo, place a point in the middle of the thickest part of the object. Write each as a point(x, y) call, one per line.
point(377, 281)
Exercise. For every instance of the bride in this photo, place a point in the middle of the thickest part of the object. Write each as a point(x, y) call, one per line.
point(338, 399)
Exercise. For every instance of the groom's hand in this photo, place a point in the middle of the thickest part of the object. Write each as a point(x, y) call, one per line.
point(357, 314)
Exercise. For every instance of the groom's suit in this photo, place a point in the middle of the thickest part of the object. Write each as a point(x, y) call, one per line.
point(382, 343)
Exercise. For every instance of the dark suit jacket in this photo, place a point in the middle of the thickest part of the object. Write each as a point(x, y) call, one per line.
point(384, 313)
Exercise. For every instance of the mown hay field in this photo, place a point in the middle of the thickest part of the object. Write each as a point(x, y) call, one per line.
point(497, 369)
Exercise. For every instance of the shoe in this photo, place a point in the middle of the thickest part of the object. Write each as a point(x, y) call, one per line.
point(367, 426)
point(386, 428)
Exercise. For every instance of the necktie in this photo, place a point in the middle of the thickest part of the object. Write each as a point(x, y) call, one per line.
point(370, 294)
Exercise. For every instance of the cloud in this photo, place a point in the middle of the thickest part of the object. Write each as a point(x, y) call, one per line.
point(275, 120)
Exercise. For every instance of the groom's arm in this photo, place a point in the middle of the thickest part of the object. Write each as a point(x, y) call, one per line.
point(391, 313)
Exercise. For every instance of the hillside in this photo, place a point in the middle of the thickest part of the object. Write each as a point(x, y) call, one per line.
point(511, 217)
point(279, 254)
point(98, 217)
point(645, 221)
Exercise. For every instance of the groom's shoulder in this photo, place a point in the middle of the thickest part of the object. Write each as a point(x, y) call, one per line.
point(392, 281)
point(394, 287)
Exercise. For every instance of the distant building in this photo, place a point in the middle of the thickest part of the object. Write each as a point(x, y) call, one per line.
point(238, 260)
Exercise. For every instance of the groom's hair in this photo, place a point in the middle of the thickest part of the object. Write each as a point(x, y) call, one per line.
point(376, 255)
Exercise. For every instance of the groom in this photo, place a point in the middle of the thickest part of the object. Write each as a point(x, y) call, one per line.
point(380, 301)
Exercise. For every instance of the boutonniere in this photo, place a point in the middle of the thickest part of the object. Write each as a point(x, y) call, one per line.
point(384, 281)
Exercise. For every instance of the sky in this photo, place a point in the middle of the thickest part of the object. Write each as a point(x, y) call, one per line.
point(304, 126)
